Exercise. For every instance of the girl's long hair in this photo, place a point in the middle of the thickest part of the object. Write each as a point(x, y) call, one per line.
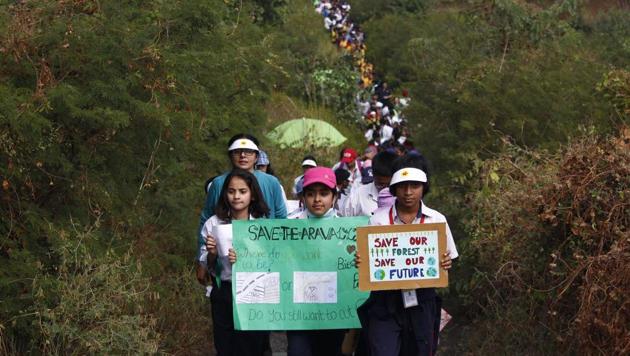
point(257, 207)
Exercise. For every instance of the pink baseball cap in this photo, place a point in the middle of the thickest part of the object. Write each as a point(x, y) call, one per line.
point(349, 155)
point(323, 175)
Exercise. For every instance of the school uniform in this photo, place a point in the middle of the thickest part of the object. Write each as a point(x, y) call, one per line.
point(391, 328)
point(315, 342)
point(227, 340)
point(272, 193)
point(355, 174)
point(341, 199)
point(361, 201)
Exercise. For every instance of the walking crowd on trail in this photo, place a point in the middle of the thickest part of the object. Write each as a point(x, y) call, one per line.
point(386, 181)
point(381, 112)
point(346, 35)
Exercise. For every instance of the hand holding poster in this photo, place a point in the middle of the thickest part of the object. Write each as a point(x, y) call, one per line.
point(402, 256)
point(296, 274)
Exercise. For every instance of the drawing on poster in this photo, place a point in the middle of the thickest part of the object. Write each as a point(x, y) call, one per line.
point(403, 256)
point(257, 287)
point(314, 287)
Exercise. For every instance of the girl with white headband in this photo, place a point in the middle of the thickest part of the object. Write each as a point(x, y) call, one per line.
point(406, 322)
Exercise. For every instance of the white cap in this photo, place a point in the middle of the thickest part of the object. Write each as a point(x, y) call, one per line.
point(309, 162)
point(243, 144)
point(408, 175)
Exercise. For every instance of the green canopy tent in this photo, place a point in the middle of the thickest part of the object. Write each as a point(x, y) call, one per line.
point(306, 132)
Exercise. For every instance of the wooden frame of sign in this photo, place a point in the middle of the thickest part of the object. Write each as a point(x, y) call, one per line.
point(401, 256)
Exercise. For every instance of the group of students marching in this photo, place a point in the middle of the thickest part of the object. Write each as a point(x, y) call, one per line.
point(380, 111)
point(386, 185)
point(346, 35)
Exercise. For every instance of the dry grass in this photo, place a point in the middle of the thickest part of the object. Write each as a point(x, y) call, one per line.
point(551, 246)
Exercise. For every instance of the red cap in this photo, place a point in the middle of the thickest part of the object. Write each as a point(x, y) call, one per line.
point(323, 175)
point(349, 155)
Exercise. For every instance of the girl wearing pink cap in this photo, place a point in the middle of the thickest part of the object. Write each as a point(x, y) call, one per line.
point(320, 193)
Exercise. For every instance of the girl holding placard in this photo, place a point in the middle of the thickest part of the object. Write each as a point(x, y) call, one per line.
point(319, 195)
point(406, 322)
point(240, 199)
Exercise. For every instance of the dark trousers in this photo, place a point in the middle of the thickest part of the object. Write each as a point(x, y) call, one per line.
point(227, 341)
point(362, 345)
point(393, 329)
point(315, 342)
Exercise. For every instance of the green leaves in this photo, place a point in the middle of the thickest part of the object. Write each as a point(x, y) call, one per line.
point(495, 77)
point(112, 115)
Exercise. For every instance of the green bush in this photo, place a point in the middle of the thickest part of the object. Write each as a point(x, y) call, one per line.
point(109, 112)
point(482, 71)
point(94, 302)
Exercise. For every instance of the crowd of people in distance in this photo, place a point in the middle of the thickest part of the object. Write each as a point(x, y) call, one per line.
point(346, 35)
point(381, 112)
point(383, 117)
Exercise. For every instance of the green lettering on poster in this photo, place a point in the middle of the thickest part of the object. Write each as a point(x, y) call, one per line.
point(296, 274)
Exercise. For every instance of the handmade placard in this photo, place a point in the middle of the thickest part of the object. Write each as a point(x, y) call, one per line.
point(296, 274)
point(401, 256)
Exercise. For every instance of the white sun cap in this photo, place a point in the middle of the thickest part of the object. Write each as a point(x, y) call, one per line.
point(243, 144)
point(408, 175)
point(309, 162)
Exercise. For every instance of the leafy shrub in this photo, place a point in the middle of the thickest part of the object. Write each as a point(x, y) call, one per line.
point(481, 70)
point(94, 302)
point(108, 112)
point(550, 244)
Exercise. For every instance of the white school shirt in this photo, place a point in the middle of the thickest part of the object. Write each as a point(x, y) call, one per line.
point(385, 111)
point(386, 133)
point(382, 217)
point(295, 183)
point(328, 23)
point(355, 174)
point(341, 198)
point(226, 266)
point(295, 214)
point(362, 200)
point(369, 134)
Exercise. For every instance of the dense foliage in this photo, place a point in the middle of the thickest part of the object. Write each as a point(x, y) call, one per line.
point(114, 113)
point(483, 71)
point(495, 78)
point(550, 244)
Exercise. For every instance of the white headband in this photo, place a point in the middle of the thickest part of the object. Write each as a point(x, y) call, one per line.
point(243, 144)
point(309, 162)
point(408, 175)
